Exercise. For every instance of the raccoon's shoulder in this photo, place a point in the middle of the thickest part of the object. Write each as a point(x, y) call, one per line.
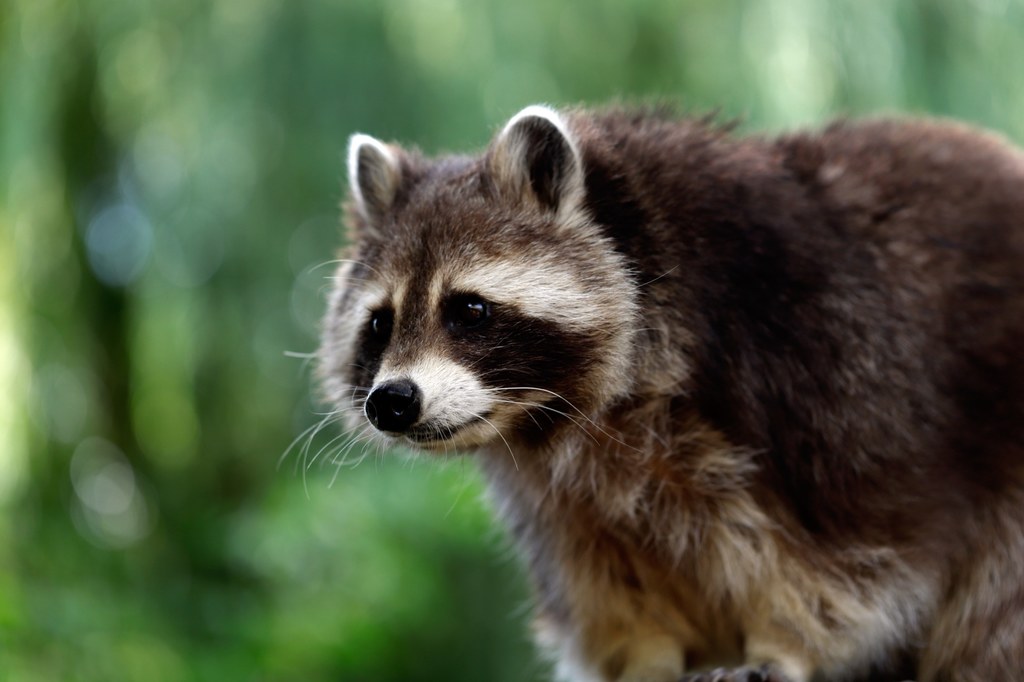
point(659, 144)
point(652, 170)
point(889, 148)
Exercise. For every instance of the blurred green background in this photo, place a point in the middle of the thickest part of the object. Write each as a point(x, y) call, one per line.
point(169, 178)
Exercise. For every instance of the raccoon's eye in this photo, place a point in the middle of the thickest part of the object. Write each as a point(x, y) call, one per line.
point(380, 325)
point(465, 311)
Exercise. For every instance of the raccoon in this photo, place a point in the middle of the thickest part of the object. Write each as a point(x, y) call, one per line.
point(751, 407)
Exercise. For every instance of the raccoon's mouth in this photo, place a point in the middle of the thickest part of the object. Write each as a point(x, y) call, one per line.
point(428, 434)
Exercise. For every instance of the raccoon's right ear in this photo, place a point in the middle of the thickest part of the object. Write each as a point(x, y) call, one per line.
point(374, 175)
point(536, 158)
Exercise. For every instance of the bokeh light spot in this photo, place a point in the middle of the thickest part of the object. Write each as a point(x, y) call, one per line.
point(109, 509)
point(158, 161)
point(118, 241)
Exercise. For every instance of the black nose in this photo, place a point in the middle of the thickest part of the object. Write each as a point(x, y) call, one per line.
point(393, 406)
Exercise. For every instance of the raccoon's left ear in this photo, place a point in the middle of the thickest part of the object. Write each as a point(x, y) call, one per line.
point(374, 175)
point(536, 158)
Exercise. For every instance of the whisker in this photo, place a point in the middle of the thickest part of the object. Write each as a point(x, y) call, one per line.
point(345, 260)
point(314, 428)
point(327, 445)
point(542, 406)
point(491, 424)
point(458, 497)
point(567, 402)
point(343, 452)
point(304, 453)
point(525, 405)
point(664, 274)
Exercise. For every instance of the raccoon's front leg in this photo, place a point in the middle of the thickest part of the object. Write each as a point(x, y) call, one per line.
point(603, 651)
point(978, 634)
point(745, 674)
point(651, 658)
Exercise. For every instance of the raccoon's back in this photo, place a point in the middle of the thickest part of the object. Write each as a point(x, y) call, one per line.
point(937, 209)
point(860, 311)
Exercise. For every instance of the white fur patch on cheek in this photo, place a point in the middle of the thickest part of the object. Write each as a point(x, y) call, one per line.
point(356, 315)
point(349, 314)
point(451, 394)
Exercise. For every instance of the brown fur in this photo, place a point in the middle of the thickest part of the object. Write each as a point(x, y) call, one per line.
point(792, 427)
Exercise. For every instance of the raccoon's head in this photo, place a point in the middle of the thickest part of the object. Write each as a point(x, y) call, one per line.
point(478, 300)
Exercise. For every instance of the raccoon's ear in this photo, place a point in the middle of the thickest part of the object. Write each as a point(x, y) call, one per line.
point(374, 175)
point(536, 158)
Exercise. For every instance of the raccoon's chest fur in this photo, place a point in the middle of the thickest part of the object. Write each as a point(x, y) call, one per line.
point(741, 401)
point(653, 531)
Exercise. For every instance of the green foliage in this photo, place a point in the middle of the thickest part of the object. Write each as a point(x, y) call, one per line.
point(169, 177)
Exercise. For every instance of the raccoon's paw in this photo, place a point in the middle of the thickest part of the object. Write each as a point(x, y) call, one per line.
point(765, 673)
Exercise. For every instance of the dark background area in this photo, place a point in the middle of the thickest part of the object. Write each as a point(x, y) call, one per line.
point(170, 172)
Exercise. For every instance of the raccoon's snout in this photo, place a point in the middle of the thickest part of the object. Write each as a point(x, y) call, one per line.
point(394, 406)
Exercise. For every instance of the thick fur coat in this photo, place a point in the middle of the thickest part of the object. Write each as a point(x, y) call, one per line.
point(751, 402)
